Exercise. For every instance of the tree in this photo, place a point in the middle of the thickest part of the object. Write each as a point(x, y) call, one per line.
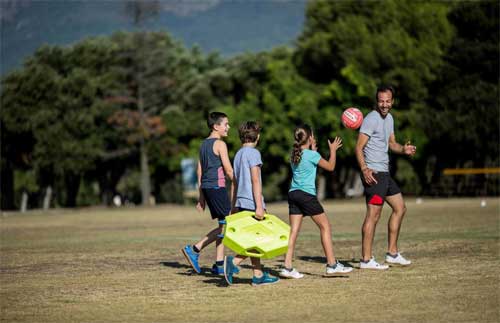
point(463, 126)
point(52, 104)
point(352, 46)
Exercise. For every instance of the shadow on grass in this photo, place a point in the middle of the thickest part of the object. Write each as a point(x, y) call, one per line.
point(174, 264)
point(219, 281)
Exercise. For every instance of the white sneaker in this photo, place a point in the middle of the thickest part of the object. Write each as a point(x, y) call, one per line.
point(285, 273)
point(337, 269)
point(397, 260)
point(372, 264)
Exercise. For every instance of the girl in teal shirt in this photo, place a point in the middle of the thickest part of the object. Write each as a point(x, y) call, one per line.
point(302, 200)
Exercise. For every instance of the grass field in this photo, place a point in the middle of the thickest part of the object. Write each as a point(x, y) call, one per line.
point(125, 265)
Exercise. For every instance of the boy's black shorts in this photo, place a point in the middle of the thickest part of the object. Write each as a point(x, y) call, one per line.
point(300, 202)
point(218, 202)
point(376, 193)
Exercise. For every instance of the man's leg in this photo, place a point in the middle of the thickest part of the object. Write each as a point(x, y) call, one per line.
point(373, 213)
point(394, 226)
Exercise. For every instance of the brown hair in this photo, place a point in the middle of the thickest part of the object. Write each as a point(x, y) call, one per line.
point(249, 131)
point(301, 136)
point(215, 118)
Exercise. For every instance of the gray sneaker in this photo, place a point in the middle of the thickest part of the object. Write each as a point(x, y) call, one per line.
point(285, 273)
point(337, 270)
point(397, 260)
point(372, 264)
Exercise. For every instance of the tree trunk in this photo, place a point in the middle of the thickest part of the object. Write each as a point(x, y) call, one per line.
point(145, 181)
point(24, 202)
point(47, 198)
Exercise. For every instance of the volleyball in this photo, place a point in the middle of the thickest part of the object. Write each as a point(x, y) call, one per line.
point(352, 118)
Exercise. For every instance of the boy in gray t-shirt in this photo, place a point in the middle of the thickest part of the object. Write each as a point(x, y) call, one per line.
point(246, 159)
point(247, 196)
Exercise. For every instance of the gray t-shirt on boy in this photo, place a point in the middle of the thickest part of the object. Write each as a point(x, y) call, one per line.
point(376, 150)
point(245, 159)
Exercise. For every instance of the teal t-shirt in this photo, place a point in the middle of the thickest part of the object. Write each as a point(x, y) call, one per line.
point(304, 174)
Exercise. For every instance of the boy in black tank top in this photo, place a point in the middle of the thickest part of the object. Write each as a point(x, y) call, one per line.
point(213, 166)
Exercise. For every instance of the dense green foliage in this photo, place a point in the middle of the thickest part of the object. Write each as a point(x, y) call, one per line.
point(82, 118)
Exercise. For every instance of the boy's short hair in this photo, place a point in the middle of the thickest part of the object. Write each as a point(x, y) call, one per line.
point(215, 118)
point(249, 131)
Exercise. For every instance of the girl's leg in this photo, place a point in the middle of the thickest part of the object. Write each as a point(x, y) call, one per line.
point(325, 229)
point(295, 223)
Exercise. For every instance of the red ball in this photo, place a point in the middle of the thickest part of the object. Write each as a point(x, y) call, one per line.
point(352, 118)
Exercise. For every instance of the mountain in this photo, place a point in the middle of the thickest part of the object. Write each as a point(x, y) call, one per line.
point(228, 27)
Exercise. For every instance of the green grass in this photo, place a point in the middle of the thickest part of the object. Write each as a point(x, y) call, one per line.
point(125, 265)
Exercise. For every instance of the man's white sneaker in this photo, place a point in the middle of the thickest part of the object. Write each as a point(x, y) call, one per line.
point(337, 269)
point(397, 259)
point(285, 273)
point(372, 264)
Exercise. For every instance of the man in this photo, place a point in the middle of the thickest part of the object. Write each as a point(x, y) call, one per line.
point(376, 137)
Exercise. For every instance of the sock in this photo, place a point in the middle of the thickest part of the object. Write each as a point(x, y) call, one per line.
point(332, 266)
point(392, 255)
point(195, 249)
point(219, 263)
point(289, 269)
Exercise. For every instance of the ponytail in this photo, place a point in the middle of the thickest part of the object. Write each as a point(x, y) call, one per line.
point(301, 136)
point(296, 153)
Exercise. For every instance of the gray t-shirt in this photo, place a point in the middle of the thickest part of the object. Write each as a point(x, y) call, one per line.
point(245, 159)
point(376, 150)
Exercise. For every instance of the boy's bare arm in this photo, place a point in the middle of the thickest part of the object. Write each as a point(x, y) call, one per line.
point(257, 192)
point(201, 198)
point(221, 149)
point(234, 193)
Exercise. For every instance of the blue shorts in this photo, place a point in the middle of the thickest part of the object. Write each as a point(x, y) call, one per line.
point(218, 202)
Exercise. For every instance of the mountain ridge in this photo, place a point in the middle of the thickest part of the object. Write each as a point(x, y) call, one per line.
point(227, 27)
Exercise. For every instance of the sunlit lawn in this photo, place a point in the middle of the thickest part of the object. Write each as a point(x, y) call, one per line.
point(125, 265)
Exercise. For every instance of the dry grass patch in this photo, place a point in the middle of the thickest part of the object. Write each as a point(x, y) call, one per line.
point(124, 265)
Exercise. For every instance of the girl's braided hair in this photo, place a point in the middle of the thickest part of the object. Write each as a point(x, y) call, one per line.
point(301, 136)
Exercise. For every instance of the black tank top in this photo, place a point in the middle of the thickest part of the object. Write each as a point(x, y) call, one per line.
point(212, 172)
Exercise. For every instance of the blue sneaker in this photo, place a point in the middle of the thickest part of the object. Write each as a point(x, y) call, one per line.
point(264, 280)
point(219, 270)
point(191, 257)
point(229, 269)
